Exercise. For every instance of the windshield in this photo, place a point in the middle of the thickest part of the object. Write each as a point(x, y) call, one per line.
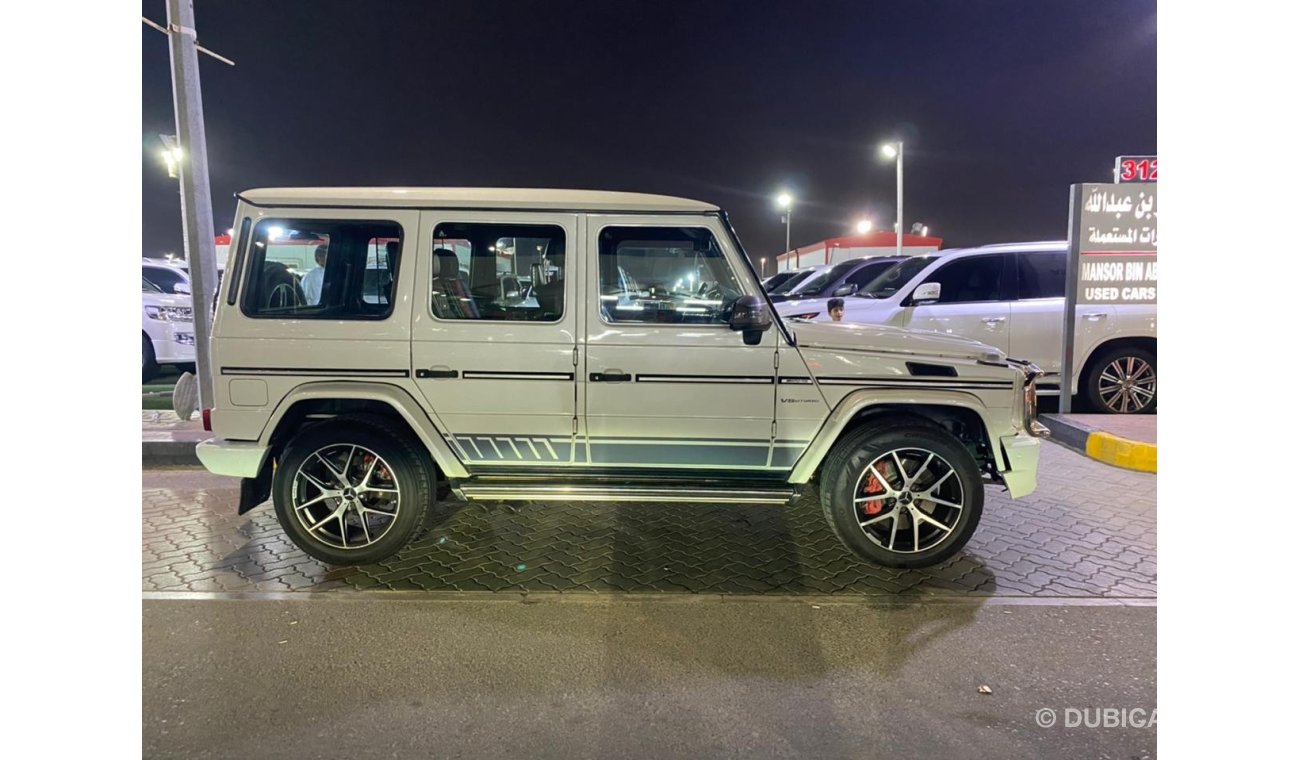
point(165, 278)
point(148, 287)
point(790, 284)
point(897, 276)
point(818, 283)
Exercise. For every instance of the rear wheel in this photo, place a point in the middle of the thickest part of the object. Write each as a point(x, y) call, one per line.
point(1123, 381)
point(904, 496)
point(352, 493)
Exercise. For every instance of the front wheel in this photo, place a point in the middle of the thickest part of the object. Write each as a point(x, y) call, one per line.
point(349, 493)
point(906, 496)
point(1123, 381)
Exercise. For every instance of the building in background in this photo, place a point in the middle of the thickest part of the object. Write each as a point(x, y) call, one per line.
point(837, 249)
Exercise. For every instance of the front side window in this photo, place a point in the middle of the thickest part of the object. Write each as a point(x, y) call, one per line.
point(322, 269)
point(975, 278)
point(672, 275)
point(502, 272)
point(1042, 275)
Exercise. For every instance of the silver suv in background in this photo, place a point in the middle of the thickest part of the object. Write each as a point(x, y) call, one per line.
point(1012, 297)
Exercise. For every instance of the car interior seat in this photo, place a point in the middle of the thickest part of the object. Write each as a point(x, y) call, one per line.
point(451, 298)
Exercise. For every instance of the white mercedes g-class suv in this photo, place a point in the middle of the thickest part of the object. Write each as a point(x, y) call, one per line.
point(573, 345)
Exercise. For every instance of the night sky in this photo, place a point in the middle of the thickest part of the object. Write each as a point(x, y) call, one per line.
point(1001, 104)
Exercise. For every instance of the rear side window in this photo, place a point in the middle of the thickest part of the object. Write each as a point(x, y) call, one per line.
point(500, 272)
point(322, 269)
point(1042, 275)
point(975, 278)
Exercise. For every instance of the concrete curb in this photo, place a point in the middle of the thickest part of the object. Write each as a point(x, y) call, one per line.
point(1100, 445)
point(168, 454)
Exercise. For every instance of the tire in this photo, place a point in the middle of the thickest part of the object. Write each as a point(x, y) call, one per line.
point(149, 363)
point(1123, 381)
point(352, 526)
point(932, 462)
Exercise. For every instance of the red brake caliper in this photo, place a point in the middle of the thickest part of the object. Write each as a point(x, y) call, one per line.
point(875, 488)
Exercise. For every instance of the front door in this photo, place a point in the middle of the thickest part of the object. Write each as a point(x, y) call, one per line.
point(972, 302)
point(494, 345)
point(667, 384)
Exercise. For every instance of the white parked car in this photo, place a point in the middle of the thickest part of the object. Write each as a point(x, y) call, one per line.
point(170, 278)
point(167, 329)
point(1012, 297)
point(645, 365)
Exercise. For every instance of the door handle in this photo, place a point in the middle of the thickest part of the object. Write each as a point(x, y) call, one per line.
point(1095, 316)
point(611, 376)
point(993, 320)
point(437, 373)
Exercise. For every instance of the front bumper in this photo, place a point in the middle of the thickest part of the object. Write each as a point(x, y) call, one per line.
point(1021, 454)
point(240, 459)
point(174, 343)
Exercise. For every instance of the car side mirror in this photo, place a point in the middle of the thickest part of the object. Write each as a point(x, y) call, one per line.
point(181, 287)
point(750, 315)
point(845, 290)
point(926, 292)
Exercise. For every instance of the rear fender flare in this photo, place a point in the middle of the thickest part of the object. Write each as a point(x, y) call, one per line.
point(398, 398)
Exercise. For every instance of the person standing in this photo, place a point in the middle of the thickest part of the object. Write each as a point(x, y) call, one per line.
point(311, 284)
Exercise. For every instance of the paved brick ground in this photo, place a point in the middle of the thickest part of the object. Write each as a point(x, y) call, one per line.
point(1088, 531)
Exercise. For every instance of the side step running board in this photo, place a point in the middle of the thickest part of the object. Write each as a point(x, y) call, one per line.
point(658, 492)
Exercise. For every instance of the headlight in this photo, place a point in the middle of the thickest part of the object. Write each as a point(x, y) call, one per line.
point(170, 313)
point(1032, 425)
point(807, 315)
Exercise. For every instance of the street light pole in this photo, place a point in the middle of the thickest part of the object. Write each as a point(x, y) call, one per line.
point(762, 267)
point(786, 202)
point(196, 200)
point(900, 197)
point(894, 150)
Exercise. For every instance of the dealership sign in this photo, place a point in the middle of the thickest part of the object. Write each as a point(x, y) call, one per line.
point(1112, 255)
point(1115, 243)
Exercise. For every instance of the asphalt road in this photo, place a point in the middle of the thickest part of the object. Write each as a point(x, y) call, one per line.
point(391, 674)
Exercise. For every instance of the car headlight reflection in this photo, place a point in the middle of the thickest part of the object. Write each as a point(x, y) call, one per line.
point(170, 313)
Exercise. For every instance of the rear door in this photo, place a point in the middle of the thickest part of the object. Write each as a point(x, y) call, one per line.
point(972, 303)
point(1036, 314)
point(494, 346)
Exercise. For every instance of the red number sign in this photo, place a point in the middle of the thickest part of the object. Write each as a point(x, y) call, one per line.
point(1136, 169)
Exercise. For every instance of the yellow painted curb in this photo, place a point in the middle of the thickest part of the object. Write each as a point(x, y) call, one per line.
point(1121, 452)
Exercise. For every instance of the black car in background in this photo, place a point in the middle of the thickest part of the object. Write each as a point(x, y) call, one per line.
point(842, 279)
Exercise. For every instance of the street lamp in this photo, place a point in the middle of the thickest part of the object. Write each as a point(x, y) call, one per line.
point(762, 266)
point(785, 202)
point(171, 154)
point(894, 150)
point(864, 226)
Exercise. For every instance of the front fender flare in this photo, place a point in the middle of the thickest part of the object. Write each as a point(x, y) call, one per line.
point(852, 404)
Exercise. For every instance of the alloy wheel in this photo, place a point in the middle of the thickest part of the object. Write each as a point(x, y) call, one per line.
point(345, 496)
point(908, 500)
point(1127, 385)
